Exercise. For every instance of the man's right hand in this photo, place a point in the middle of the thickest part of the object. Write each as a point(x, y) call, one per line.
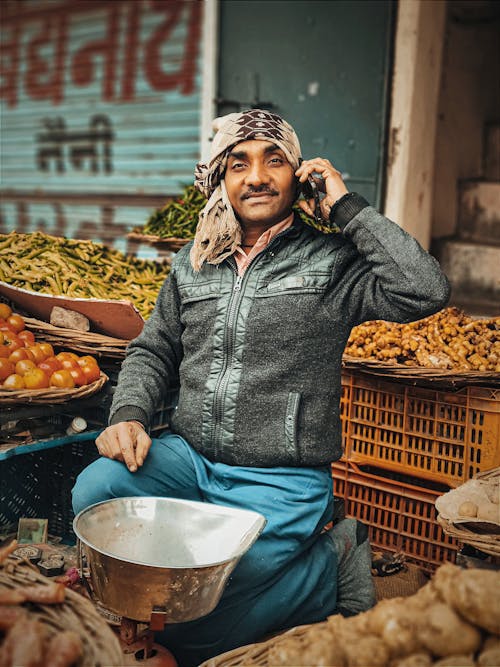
point(125, 441)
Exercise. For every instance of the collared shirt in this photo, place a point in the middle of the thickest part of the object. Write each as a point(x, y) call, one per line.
point(243, 260)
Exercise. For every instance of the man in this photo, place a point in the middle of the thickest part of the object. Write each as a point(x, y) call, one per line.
point(251, 325)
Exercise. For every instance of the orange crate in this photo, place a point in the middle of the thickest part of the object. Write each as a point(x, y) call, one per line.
point(400, 516)
point(444, 436)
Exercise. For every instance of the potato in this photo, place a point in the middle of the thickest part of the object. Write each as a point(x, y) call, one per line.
point(444, 633)
point(471, 594)
point(467, 508)
point(455, 661)
point(414, 660)
point(368, 650)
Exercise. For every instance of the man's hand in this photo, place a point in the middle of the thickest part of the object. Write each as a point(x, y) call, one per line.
point(127, 442)
point(330, 182)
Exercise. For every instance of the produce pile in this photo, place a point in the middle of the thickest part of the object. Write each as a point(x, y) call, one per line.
point(453, 621)
point(26, 364)
point(76, 268)
point(449, 339)
point(45, 624)
point(179, 217)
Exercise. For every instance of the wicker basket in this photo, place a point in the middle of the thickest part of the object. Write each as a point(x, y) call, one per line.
point(420, 376)
point(51, 394)
point(171, 243)
point(80, 341)
point(474, 532)
point(100, 646)
point(255, 654)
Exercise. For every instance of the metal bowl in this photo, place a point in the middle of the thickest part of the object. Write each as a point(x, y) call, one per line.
point(143, 553)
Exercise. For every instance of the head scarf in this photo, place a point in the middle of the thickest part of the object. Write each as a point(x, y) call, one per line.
point(218, 233)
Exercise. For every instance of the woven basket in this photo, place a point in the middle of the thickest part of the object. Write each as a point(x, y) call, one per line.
point(487, 542)
point(80, 341)
point(171, 243)
point(418, 375)
point(51, 394)
point(255, 654)
point(100, 646)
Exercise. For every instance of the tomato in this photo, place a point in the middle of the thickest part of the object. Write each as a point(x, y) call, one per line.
point(5, 351)
point(6, 369)
point(47, 349)
point(36, 379)
point(5, 326)
point(14, 381)
point(5, 311)
point(62, 378)
point(68, 364)
point(37, 352)
point(67, 355)
point(21, 353)
point(25, 365)
point(28, 337)
point(50, 365)
point(78, 376)
point(16, 322)
point(87, 359)
point(12, 341)
point(91, 372)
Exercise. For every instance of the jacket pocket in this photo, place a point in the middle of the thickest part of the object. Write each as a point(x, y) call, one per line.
point(291, 424)
point(299, 284)
point(199, 291)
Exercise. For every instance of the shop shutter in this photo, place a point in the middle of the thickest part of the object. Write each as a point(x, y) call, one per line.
point(100, 105)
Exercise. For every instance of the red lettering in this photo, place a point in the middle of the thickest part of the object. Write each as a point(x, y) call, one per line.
point(45, 81)
point(183, 77)
point(9, 56)
point(82, 66)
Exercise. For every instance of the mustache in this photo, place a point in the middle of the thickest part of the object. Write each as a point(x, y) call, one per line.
point(263, 189)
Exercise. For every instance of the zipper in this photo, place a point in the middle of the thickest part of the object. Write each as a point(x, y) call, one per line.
point(229, 339)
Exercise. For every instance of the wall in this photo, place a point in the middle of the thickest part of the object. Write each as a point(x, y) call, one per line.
point(100, 112)
point(469, 97)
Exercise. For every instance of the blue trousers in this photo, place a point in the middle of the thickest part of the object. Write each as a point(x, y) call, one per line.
point(289, 575)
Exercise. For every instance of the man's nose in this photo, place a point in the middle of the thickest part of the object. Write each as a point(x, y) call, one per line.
point(256, 175)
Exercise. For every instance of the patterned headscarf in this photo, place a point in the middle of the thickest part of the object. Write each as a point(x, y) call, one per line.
point(218, 233)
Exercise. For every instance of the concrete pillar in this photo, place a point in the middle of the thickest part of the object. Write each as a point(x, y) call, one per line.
point(412, 131)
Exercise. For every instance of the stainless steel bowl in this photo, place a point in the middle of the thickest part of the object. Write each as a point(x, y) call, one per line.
point(147, 552)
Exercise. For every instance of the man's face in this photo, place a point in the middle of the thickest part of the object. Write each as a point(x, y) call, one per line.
point(260, 183)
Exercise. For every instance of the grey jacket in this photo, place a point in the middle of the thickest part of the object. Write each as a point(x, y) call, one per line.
point(258, 359)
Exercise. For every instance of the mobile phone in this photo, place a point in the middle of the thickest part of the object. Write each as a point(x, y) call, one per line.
point(310, 191)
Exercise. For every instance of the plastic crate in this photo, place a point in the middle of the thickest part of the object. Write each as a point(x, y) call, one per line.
point(444, 436)
point(400, 516)
point(38, 484)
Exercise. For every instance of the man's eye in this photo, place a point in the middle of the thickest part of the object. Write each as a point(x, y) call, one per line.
point(276, 160)
point(237, 165)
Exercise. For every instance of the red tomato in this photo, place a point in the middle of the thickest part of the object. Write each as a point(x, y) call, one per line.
point(47, 349)
point(68, 364)
point(5, 311)
point(37, 352)
point(78, 376)
point(14, 381)
point(21, 353)
point(12, 341)
point(28, 337)
point(67, 355)
point(50, 365)
point(62, 378)
point(91, 372)
point(36, 379)
point(16, 322)
point(87, 359)
point(5, 351)
point(25, 365)
point(6, 369)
